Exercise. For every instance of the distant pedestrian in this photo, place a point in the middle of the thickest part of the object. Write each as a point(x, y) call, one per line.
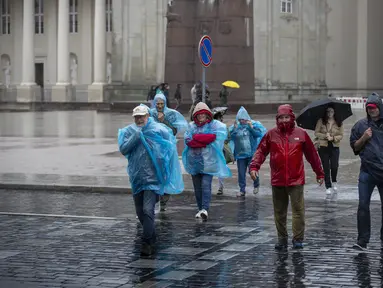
point(151, 94)
point(329, 133)
point(153, 168)
point(286, 145)
point(178, 96)
point(223, 95)
point(203, 157)
point(366, 140)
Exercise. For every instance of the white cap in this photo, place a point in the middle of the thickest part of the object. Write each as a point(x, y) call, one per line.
point(140, 111)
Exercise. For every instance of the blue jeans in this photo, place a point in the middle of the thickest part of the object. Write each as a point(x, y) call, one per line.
point(243, 165)
point(366, 187)
point(202, 190)
point(145, 202)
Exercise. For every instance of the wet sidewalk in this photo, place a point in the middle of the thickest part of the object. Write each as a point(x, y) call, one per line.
point(77, 151)
point(53, 239)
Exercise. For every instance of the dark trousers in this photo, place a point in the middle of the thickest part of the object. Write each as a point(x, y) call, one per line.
point(330, 161)
point(202, 190)
point(145, 202)
point(366, 186)
point(281, 203)
point(243, 165)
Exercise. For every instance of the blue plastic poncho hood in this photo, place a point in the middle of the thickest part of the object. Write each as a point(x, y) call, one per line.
point(152, 158)
point(173, 117)
point(244, 140)
point(209, 160)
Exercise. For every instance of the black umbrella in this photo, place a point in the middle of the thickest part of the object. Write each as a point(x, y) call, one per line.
point(310, 115)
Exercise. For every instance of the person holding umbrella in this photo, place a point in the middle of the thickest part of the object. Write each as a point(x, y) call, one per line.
point(329, 133)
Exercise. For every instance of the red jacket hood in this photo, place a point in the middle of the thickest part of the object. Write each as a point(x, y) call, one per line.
point(286, 109)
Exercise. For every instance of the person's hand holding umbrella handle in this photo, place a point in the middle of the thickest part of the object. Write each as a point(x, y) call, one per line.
point(329, 137)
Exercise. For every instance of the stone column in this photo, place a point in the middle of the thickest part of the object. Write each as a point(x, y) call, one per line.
point(96, 90)
point(27, 91)
point(61, 92)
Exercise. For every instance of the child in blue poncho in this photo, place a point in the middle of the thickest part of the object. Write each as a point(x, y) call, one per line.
point(153, 168)
point(203, 157)
point(245, 135)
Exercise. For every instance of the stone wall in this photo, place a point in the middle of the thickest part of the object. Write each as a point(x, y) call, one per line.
point(230, 25)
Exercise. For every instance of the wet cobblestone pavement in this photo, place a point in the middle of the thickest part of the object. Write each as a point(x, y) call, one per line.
point(51, 239)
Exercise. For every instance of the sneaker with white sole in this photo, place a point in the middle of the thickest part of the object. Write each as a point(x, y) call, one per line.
point(198, 215)
point(203, 214)
point(335, 187)
point(241, 194)
point(157, 208)
point(328, 191)
point(256, 190)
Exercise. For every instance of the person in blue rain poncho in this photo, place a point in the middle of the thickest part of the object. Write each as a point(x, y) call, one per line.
point(173, 120)
point(245, 135)
point(203, 155)
point(153, 168)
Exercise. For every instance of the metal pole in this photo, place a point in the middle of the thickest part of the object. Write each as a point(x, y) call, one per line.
point(204, 84)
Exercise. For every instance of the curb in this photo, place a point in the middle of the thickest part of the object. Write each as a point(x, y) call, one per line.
point(71, 188)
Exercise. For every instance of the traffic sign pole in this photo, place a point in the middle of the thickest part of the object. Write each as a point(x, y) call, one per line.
point(204, 84)
point(205, 49)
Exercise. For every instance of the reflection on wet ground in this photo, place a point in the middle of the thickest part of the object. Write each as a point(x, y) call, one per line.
point(66, 239)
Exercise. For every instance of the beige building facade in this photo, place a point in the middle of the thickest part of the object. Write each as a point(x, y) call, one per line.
point(113, 50)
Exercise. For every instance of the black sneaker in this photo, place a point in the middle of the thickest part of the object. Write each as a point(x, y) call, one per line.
point(297, 244)
point(360, 246)
point(281, 245)
point(146, 249)
point(220, 192)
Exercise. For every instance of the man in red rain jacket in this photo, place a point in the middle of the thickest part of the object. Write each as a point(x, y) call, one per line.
point(286, 145)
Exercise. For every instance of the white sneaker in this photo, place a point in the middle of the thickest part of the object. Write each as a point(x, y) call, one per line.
point(328, 191)
point(157, 208)
point(335, 187)
point(198, 215)
point(204, 214)
point(255, 191)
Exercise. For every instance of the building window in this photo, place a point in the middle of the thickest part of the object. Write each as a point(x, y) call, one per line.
point(5, 17)
point(109, 24)
point(73, 16)
point(286, 6)
point(39, 16)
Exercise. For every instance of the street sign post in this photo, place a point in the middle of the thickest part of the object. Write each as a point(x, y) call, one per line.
point(205, 49)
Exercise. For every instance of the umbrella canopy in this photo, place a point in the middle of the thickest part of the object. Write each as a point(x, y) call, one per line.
point(310, 115)
point(230, 84)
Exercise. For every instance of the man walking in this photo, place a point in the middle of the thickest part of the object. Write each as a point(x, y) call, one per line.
point(153, 168)
point(286, 145)
point(366, 140)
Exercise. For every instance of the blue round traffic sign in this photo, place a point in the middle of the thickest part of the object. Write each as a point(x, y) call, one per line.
point(205, 49)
